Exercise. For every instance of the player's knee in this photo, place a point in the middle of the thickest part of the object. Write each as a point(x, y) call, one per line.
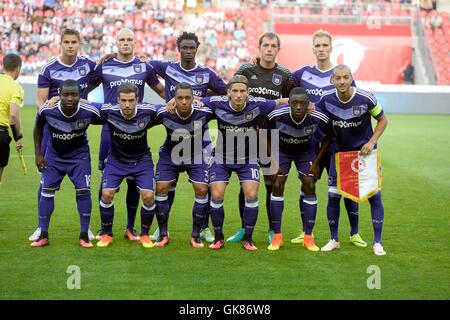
point(108, 195)
point(147, 196)
point(200, 190)
point(309, 186)
point(278, 187)
point(163, 188)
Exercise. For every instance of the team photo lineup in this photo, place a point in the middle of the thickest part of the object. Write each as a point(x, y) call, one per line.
point(168, 136)
point(62, 149)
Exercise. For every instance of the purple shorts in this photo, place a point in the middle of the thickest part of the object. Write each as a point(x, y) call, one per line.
point(332, 175)
point(167, 171)
point(79, 173)
point(301, 163)
point(222, 172)
point(116, 170)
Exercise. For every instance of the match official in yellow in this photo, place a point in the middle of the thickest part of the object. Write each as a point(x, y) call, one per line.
point(11, 98)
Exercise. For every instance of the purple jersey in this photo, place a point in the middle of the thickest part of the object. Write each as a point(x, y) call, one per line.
point(351, 120)
point(55, 72)
point(200, 78)
point(193, 128)
point(129, 136)
point(114, 72)
point(68, 137)
point(296, 138)
point(315, 81)
point(239, 125)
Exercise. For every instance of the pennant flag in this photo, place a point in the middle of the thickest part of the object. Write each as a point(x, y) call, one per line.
point(358, 176)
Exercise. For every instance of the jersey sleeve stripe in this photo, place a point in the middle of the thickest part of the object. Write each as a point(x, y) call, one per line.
point(46, 65)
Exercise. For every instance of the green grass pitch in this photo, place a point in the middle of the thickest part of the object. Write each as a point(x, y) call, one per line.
point(416, 193)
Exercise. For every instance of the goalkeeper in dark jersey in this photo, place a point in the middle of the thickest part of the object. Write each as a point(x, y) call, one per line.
point(269, 80)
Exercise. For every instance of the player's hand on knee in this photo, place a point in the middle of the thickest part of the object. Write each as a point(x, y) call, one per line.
point(314, 171)
point(40, 162)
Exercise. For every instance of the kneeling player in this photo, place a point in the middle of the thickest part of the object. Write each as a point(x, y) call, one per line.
point(296, 144)
point(66, 154)
point(189, 122)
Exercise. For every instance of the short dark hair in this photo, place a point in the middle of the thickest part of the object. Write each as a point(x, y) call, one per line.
point(11, 62)
point(187, 36)
point(298, 90)
point(183, 86)
point(68, 31)
point(127, 87)
point(270, 35)
point(69, 83)
point(237, 79)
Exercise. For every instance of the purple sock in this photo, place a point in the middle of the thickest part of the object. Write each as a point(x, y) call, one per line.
point(250, 217)
point(241, 207)
point(276, 207)
point(132, 202)
point(45, 209)
point(162, 212)
point(352, 208)
point(84, 205)
point(147, 214)
point(217, 217)
point(377, 212)
point(310, 207)
point(268, 208)
point(199, 211)
point(205, 223)
point(171, 196)
point(39, 193)
point(107, 216)
point(302, 209)
point(333, 212)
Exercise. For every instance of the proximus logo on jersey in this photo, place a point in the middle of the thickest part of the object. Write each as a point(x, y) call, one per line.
point(67, 136)
point(119, 82)
point(197, 93)
point(316, 92)
point(344, 124)
point(126, 136)
point(264, 91)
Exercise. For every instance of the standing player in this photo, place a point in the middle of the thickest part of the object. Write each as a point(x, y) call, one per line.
point(296, 144)
point(266, 79)
point(237, 114)
point(317, 81)
point(130, 156)
point(349, 110)
point(67, 154)
point(67, 66)
point(189, 122)
point(125, 67)
point(11, 98)
point(201, 78)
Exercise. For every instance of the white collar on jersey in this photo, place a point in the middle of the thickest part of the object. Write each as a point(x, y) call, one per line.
point(134, 115)
point(323, 71)
point(353, 95)
point(187, 70)
point(192, 111)
point(117, 60)
point(292, 118)
point(229, 103)
point(59, 107)
point(67, 65)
